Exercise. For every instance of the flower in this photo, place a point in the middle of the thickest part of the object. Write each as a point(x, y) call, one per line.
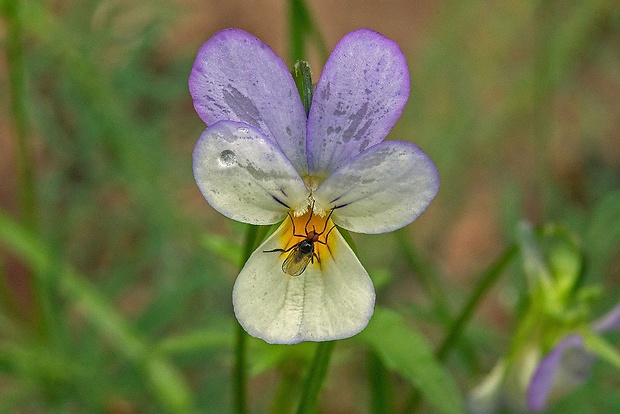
point(555, 342)
point(567, 364)
point(262, 161)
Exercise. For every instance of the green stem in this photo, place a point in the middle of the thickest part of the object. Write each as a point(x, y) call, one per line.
point(302, 24)
point(379, 385)
point(488, 279)
point(239, 374)
point(297, 30)
point(239, 371)
point(26, 183)
point(316, 376)
point(485, 282)
point(16, 69)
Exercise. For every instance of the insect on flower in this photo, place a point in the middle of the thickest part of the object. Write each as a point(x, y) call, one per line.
point(302, 253)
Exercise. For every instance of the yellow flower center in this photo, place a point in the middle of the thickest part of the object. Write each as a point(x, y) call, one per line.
point(308, 237)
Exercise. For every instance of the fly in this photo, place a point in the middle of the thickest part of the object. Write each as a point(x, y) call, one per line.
point(300, 255)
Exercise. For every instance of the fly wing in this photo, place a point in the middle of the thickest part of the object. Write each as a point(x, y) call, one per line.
point(296, 262)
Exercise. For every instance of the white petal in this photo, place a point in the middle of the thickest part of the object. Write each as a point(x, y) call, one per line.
point(383, 189)
point(333, 299)
point(245, 176)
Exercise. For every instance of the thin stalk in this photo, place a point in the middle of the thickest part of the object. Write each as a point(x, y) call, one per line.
point(297, 30)
point(485, 282)
point(302, 25)
point(239, 370)
point(25, 170)
point(239, 373)
point(379, 380)
point(16, 69)
point(315, 378)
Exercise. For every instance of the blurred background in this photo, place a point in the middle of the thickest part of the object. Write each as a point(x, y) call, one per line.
point(517, 102)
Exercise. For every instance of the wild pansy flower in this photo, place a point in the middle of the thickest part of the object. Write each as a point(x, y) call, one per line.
point(528, 379)
point(555, 343)
point(262, 161)
point(568, 364)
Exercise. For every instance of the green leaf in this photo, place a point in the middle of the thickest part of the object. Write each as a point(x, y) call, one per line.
point(197, 341)
point(223, 248)
point(407, 352)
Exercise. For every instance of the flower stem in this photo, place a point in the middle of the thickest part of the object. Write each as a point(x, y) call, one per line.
point(487, 279)
point(430, 281)
point(302, 25)
point(16, 68)
point(379, 385)
point(316, 375)
point(239, 373)
point(485, 282)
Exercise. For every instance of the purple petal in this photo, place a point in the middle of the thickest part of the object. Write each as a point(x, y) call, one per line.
point(383, 189)
point(237, 77)
point(609, 322)
point(549, 367)
point(362, 91)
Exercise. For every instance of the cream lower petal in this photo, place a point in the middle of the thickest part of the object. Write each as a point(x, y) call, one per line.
point(328, 301)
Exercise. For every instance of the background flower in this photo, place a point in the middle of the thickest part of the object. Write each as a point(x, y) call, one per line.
point(568, 364)
point(554, 344)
